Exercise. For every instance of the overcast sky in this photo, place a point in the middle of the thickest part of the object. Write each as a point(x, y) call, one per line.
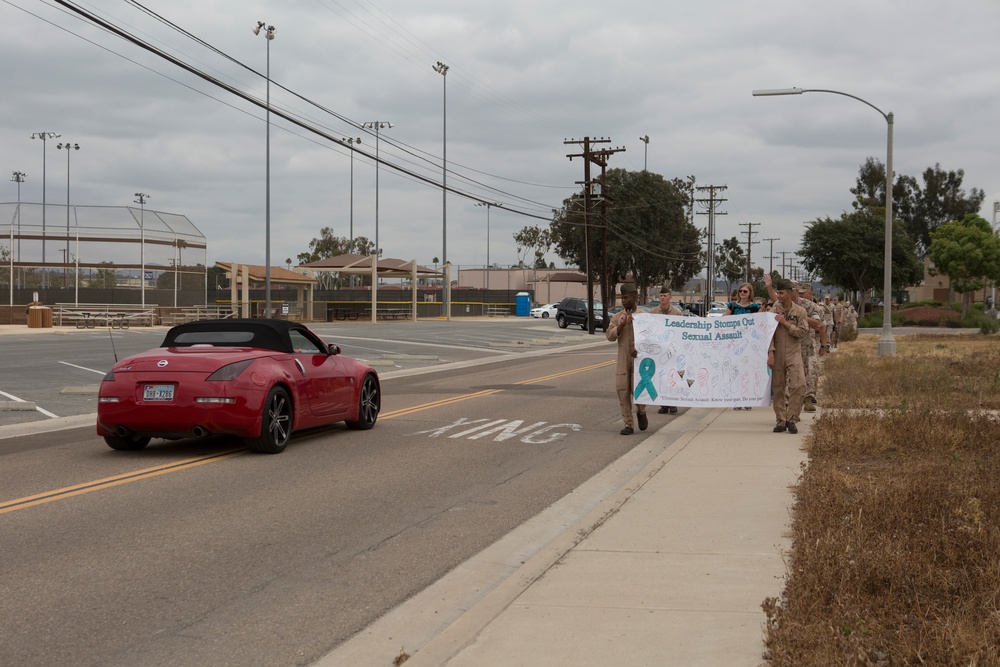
point(524, 76)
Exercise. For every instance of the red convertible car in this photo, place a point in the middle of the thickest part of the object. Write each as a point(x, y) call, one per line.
point(258, 379)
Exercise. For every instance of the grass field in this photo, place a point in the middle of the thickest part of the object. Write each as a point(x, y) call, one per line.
point(896, 525)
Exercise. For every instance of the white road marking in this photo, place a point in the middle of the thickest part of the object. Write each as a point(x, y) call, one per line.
point(21, 400)
point(83, 368)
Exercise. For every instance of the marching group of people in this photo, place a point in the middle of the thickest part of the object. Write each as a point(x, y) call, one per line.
point(807, 329)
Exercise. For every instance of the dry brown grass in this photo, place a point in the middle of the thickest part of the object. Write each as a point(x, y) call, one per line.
point(896, 526)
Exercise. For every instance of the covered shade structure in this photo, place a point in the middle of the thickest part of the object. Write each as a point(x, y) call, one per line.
point(370, 265)
point(558, 277)
point(244, 276)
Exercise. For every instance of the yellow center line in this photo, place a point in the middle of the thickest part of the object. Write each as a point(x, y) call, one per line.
point(108, 482)
point(487, 392)
point(148, 473)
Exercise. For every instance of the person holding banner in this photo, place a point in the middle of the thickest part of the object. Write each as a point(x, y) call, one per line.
point(784, 356)
point(666, 308)
point(620, 330)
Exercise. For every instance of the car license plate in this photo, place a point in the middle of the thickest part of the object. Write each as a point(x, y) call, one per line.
point(158, 392)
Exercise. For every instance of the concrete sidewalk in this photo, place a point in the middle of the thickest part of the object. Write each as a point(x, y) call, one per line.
point(669, 567)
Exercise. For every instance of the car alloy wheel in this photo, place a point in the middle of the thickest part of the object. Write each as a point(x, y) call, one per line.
point(275, 424)
point(369, 404)
point(561, 321)
point(545, 315)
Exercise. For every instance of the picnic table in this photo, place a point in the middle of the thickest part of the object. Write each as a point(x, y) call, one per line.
point(389, 313)
point(91, 319)
point(343, 313)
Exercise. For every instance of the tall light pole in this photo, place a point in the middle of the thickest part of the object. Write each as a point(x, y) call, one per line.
point(442, 69)
point(886, 343)
point(376, 125)
point(17, 177)
point(44, 136)
point(268, 37)
point(350, 141)
point(645, 149)
point(996, 209)
point(140, 199)
point(488, 205)
point(69, 148)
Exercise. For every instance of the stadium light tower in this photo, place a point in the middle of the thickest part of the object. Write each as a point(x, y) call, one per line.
point(44, 136)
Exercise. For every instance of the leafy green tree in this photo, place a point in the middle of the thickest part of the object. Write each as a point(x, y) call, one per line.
point(968, 252)
point(5, 274)
point(534, 241)
point(730, 262)
point(850, 251)
point(328, 245)
point(922, 208)
point(106, 277)
point(647, 233)
point(217, 278)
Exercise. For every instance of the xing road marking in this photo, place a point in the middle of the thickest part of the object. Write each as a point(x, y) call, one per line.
point(503, 432)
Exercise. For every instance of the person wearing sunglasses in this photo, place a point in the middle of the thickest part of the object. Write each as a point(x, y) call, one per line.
point(744, 304)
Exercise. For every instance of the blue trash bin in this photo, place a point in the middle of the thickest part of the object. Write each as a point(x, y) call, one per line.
point(522, 303)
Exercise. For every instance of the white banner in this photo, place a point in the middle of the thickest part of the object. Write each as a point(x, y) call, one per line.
point(703, 362)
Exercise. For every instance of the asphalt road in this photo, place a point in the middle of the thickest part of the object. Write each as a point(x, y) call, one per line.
point(200, 553)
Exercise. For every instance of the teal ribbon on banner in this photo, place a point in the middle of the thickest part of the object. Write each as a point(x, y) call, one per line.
point(647, 368)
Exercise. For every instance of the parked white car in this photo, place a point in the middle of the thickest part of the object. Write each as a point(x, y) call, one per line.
point(717, 310)
point(544, 312)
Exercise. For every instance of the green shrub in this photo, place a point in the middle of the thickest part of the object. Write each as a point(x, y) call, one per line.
point(977, 319)
point(874, 320)
point(846, 334)
point(930, 303)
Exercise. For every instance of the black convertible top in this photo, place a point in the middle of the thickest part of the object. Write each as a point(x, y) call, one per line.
point(259, 332)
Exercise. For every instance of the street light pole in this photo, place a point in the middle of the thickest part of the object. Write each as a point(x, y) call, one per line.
point(442, 69)
point(71, 147)
point(886, 343)
point(268, 37)
point(140, 199)
point(43, 136)
point(17, 177)
point(488, 205)
point(376, 125)
point(645, 150)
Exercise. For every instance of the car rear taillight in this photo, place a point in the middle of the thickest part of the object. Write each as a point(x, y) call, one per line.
point(229, 372)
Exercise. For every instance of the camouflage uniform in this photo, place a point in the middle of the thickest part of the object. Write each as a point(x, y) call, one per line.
point(838, 322)
point(828, 318)
point(810, 350)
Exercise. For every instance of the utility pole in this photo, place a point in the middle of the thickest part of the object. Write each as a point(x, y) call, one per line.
point(750, 242)
point(784, 271)
point(771, 257)
point(599, 158)
point(711, 204)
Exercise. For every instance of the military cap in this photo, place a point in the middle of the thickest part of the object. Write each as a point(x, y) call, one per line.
point(628, 288)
